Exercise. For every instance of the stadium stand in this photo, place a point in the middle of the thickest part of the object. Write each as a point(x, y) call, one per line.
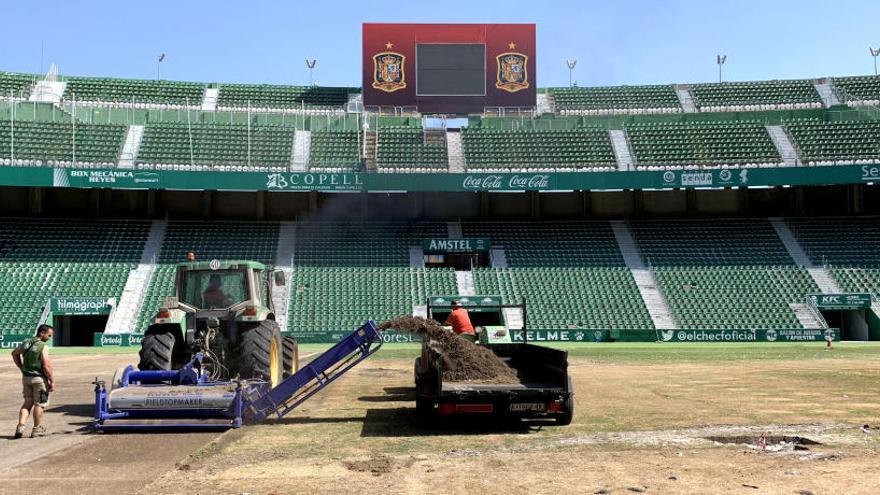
point(571, 274)
point(756, 95)
point(335, 151)
point(404, 149)
point(220, 146)
point(42, 258)
point(53, 144)
point(141, 93)
point(859, 89)
point(584, 148)
point(847, 247)
point(255, 241)
point(346, 272)
point(833, 143)
point(267, 97)
point(702, 144)
point(17, 85)
point(611, 100)
point(728, 274)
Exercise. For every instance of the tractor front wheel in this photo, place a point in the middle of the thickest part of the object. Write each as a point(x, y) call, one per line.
point(157, 351)
point(260, 355)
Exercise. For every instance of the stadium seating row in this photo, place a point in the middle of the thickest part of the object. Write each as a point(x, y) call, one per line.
point(40, 259)
point(712, 273)
point(403, 149)
point(640, 99)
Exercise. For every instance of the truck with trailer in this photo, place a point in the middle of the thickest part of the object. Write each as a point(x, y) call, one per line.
point(543, 390)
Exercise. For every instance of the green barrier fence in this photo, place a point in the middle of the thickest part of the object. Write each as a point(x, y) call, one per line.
point(444, 182)
point(732, 335)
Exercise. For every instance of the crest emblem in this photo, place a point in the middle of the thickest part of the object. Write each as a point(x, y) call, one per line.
point(512, 75)
point(388, 73)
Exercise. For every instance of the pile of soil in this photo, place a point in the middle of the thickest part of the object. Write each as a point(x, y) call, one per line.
point(464, 360)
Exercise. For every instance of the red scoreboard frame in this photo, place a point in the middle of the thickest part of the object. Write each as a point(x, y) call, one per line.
point(389, 65)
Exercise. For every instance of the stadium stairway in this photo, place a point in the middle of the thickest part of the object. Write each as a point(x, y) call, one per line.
point(658, 310)
point(284, 261)
point(498, 258)
point(826, 92)
point(464, 282)
point(783, 144)
point(622, 151)
point(209, 99)
point(453, 230)
point(819, 274)
point(133, 138)
point(416, 257)
point(807, 317)
point(455, 152)
point(124, 318)
point(302, 144)
point(50, 89)
point(683, 92)
point(355, 103)
point(545, 103)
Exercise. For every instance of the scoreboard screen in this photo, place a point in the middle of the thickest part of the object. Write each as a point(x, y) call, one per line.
point(450, 69)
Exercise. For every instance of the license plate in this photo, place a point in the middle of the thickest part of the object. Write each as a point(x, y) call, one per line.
point(528, 406)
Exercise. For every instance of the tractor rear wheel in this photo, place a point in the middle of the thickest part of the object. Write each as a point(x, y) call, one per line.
point(157, 351)
point(260, 356)
point(291, 356)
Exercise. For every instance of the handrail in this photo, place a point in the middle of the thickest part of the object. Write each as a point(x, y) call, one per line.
point(815, 311)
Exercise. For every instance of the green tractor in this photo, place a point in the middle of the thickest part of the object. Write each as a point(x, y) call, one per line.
point(224, 310)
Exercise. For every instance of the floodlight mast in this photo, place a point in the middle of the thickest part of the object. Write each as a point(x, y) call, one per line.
point(874, 53)
point(159, 64)
point(310, 63)
point(720, 59)
point(571, 65)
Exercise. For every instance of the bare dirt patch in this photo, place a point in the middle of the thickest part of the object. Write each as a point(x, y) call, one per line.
point(378, 464)
point(71, 458)
point(464, 360)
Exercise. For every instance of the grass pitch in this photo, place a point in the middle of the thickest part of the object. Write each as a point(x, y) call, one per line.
point(642, 415)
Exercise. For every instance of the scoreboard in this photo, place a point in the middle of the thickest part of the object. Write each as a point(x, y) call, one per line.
point(449, 68)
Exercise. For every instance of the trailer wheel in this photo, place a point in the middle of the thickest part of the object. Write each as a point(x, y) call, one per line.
point(567, 408)
point(261, 354)
point(291, 356)
point(424, 411)
point(157, 351)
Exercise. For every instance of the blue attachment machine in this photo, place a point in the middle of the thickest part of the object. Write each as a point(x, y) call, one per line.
point(186, 399)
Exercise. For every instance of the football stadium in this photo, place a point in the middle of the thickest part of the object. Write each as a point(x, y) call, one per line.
point(683, 278)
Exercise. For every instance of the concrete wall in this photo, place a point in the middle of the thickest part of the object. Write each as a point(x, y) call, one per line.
point(664, 203)
point(612, 204)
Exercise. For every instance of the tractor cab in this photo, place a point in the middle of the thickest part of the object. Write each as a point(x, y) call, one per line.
point(224, 285)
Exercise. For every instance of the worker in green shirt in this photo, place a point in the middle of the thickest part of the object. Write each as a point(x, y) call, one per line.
point(32, 358)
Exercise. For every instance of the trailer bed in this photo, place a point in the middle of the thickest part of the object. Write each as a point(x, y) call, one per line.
point(543, 390)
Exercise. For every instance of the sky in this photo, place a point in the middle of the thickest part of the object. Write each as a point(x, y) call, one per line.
point(615, 42)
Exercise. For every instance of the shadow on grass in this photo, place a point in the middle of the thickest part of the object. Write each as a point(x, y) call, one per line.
point(308, 420)
point(76, 410)
point(392, 394)
point(403, 422)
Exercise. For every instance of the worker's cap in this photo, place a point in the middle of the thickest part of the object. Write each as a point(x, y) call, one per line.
point(456, 303)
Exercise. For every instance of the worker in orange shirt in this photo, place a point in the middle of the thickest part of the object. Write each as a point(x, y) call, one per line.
point(461, 322)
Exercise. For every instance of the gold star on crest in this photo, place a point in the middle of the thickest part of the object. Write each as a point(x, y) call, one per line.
point(389, 45)
point(511, 45)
